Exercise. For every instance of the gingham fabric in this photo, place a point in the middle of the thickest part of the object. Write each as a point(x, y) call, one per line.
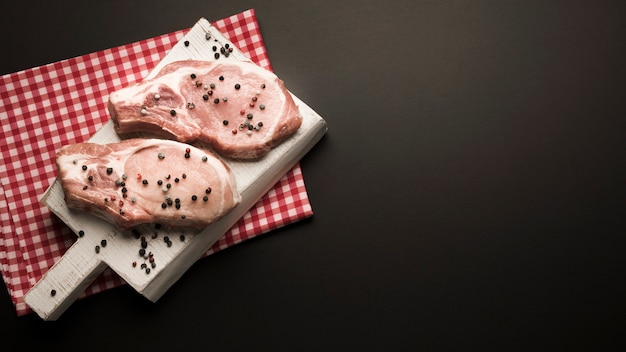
point(46, 107)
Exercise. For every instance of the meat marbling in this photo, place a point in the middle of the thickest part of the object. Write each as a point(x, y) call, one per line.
point(239, 109)
point(140, 181)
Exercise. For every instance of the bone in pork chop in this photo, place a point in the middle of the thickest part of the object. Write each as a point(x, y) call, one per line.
point(140, 181)
point(239, 109)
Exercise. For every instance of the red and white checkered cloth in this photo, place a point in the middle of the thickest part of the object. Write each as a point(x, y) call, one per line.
point(46, 107)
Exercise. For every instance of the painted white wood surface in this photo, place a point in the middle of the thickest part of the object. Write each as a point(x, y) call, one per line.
point(80, 265)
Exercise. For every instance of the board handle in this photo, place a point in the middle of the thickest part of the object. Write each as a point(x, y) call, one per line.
point(63, 283)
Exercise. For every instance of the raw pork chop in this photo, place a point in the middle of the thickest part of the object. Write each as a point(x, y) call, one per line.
point(140, 181)
point(238, 108)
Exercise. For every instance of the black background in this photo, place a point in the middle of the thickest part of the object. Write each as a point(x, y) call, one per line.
point(469, 193)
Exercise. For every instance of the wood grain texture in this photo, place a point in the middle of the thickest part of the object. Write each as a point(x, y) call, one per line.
point(80, 265)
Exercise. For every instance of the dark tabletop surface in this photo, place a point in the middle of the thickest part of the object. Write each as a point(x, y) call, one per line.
point(470, 192)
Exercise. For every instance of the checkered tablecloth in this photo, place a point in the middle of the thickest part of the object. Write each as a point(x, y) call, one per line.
point(46, 107)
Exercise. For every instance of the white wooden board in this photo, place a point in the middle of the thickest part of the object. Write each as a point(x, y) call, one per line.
point(80, 265)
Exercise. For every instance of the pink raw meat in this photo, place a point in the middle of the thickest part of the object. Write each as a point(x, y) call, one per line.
point(139, 181)
point(237, 108)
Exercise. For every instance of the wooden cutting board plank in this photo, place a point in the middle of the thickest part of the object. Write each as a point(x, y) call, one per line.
point(83, 262)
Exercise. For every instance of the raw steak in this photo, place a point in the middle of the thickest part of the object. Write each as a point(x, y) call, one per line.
point(140, 181)
point(238, 108)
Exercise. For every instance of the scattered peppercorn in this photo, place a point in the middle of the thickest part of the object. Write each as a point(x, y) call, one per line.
point(53, 293)
point(103, 243)
point(173, 112)
point(194, 197)
point(217, 56)
point(205, 198)
point(109, 170)
point(145, 182)
point(221, 78)
point(97, 249)
point(193, 76)
point(84, 167)
point(225, 122)
point(186, 43)
point(237, 86)
point(81, 233)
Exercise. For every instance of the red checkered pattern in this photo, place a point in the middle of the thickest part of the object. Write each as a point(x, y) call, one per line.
point(46, 107)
